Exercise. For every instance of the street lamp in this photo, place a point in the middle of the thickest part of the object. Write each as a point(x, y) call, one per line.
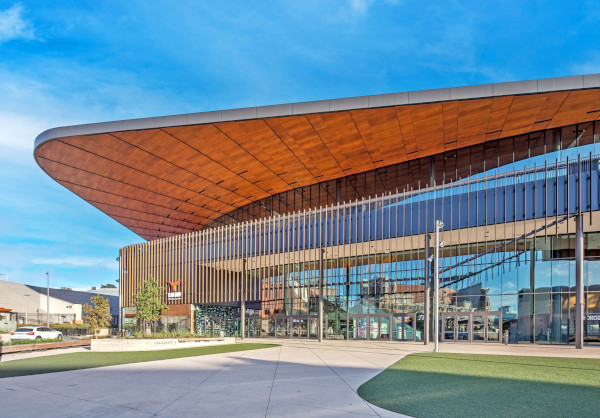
point(48, 299)
point(26, 308)
point(436, 301)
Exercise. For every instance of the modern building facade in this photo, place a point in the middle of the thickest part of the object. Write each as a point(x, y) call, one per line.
point(314, 220)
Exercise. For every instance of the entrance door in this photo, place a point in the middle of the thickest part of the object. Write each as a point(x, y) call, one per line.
point(374, 328)
point(463, 327)
point(384, 327)
point(471, 326)
point(295, 327)
point(494, 327)
point(281, 329)
point(358, 327)
point(448, 327)
point(403, 327)
point(478, 327)
point(313, 331)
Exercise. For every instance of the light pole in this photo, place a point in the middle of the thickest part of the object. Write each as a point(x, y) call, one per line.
point(120, 308)
point(436, 301)
point(26, 308)
point(48, 299)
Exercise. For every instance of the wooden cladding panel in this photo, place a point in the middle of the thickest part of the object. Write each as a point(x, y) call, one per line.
point(192, 175)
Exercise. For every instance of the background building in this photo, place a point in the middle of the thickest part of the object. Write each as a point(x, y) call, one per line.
point(28, 304)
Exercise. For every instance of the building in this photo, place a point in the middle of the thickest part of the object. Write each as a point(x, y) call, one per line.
point(314, 219)
point(26, 304)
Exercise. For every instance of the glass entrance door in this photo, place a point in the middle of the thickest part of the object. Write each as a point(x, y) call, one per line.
point(313, 327)
point(403, 327)
point(471, 326)
point(448, 327)
point(295, 327)
point(384, 327)
point(373, 328)
point(358, 327)
point(478, 328)
point(494, 327)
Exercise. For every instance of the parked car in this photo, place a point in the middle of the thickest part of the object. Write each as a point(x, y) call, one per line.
point(35, 333)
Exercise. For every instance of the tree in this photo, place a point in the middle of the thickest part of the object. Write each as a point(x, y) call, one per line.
point(97, 315)
point(108, 286)
point(148, 302)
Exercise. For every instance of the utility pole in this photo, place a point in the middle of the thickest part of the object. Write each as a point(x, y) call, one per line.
point(48, 299)
point(436, 298)
point(26, 308)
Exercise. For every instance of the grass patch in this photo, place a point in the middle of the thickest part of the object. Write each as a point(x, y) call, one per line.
point(88, 360)
point(452, 385)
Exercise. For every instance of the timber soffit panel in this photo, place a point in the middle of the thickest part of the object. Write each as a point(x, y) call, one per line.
point(171, 175)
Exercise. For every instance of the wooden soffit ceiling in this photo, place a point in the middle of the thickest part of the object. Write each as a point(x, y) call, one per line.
point(166, 181)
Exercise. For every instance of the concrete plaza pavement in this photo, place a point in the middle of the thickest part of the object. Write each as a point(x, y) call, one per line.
point(299, 378)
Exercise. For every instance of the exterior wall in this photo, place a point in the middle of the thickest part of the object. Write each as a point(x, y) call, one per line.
point(504, 234)
point(12, 296)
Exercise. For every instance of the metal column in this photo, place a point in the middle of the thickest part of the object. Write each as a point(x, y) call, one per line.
point(243, 302)
point(321, 296)
point(243, 318)
point(436, 302)
point(579, 299)
point(427, 308)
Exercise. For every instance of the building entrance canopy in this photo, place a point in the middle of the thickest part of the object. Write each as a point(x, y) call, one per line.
point(167, 176)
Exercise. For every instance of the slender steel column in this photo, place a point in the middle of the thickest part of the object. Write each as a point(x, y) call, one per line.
point(321, 296)
point(48, 299)
point(243, 305)
point(243, 318)
point(436, 302)
point(579, 286)
point(427, 294)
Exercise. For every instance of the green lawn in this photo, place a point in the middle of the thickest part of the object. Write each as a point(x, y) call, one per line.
point(457, 385)
point(87, 360)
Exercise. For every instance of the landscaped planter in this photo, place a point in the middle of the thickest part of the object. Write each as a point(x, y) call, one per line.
point(6, 349)
point(149, 344)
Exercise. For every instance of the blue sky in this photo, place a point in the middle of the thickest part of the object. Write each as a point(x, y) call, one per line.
point(72, 62)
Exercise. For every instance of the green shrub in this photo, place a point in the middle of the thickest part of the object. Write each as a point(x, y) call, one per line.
point(156, 335)
point(21, 342)
point(69, 326)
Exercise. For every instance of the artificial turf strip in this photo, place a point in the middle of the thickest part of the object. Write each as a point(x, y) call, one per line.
point(457, 385)
point(88, 360)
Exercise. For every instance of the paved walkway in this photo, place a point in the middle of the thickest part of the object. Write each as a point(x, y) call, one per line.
point(300, 378)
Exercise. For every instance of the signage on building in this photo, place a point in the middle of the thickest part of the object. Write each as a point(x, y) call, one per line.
point(593, 317)
point(174, 294)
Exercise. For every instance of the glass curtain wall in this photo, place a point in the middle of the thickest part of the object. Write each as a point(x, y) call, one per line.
point(509, 255)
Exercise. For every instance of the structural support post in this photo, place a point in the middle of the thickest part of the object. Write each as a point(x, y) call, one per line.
point(321, 296)
point(427, 294)
point(48, 299)
point(243, 318)
point(436, 296)
point(579, 286)
point(243, 301)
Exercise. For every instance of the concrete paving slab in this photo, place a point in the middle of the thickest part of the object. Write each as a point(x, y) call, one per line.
point(300, 378)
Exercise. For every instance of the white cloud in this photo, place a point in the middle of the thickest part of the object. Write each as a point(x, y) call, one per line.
point(14, 26)
point(77, 262)
point(360, 6)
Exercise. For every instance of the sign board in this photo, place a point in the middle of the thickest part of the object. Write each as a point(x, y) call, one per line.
point(173, 295)
point(593, 317)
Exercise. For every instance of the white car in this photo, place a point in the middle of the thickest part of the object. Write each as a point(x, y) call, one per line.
point(35, 333)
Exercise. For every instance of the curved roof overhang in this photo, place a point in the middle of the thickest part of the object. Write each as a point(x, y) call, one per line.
point(171, 175)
